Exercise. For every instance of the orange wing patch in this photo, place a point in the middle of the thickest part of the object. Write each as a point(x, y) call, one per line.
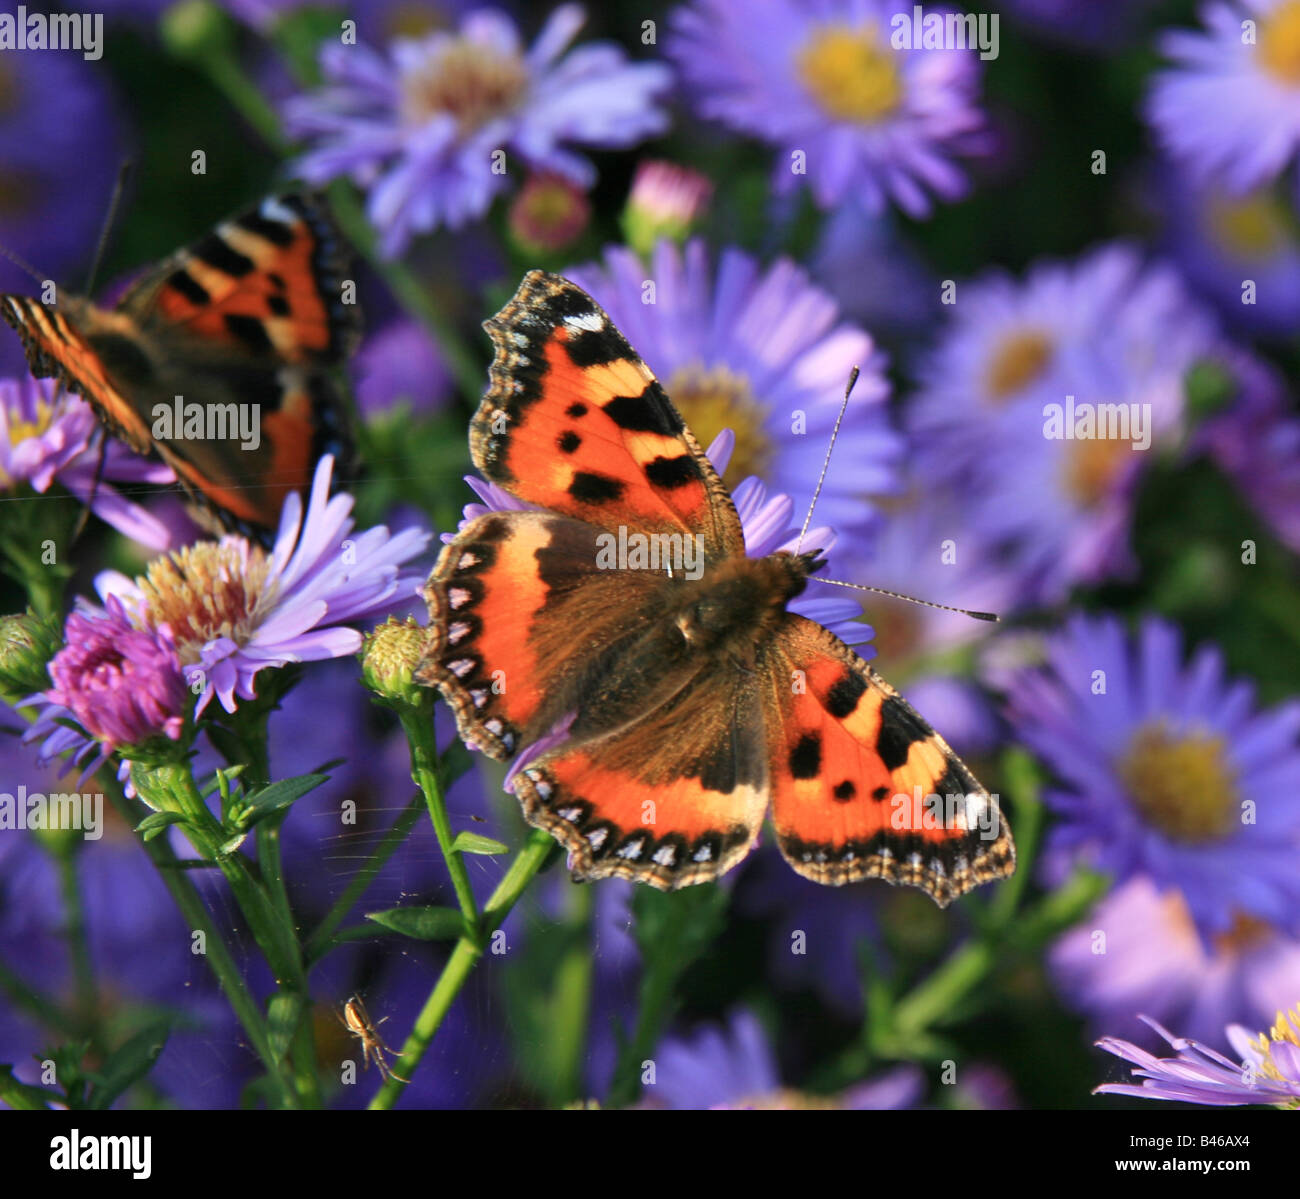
point(520, 610)
point(575, 422)
point(267, 283)
point(55, 348)
point(862, 786)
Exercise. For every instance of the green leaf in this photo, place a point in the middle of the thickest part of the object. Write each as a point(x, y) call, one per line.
point(157, 822)
point(20, 1096)
point(425, 924)
point(274, 798)
point(467, 842)
point(282, 1016)
point(126, 1066)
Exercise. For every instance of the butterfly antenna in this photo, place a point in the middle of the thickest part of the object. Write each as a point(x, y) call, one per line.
point(22, 265)
point(835, 432)
point(114, 203)
point(911, 599)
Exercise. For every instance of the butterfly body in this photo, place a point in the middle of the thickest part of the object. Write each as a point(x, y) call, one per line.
point(240, 331)
point(667, 708)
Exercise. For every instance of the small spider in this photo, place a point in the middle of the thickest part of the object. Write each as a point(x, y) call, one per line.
point(357, 1021)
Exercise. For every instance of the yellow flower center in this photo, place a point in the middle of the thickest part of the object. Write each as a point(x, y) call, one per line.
point(416, 19)
point(1285, 1028)
point(1092, 466)
point(1254, 227)
point(1279, 43)
point(786, 1099)
point(1017, 362)
point(850, 73)
point(466, 81)
point(210, 589)
point(20, 429)
point(715, 398)
point(1182, 784)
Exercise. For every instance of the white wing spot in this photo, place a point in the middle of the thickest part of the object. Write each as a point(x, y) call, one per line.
point(587, 322)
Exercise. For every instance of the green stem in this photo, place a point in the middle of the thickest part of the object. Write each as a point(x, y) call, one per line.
point(938, 997)
point(250, 727)
point(86, 1003)
point(571, 1001)
point(417, 723)
point(322, 937)
point(172, 787)
point(217, 953)
point(536, 852)
point(44, 1009)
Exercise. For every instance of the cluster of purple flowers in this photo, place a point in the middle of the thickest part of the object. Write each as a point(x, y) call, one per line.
point(993, 457)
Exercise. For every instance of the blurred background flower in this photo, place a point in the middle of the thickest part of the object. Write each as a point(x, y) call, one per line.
point(430, 126)
point(852, 119)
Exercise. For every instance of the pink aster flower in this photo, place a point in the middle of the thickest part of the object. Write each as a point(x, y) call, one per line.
point(236, 609)
point(122, 684)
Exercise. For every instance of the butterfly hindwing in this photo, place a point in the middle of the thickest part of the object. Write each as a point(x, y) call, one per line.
point(575, 422)
point(862, 786)
point(675, 799)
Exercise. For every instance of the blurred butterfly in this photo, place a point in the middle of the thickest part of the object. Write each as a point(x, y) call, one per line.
point(218, 359)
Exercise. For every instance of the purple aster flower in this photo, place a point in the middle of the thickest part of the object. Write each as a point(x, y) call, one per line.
point(122, 684)
point(763, 353)
point(1256, 442)
point(1020, 343)
point(876, 277)
point(857, 120)
point(1222, 242)
point(1003, 396)
point(235, 609)
point(1138, 951)
point(1166, 770)
point(48, 436)
point(1268, 1069)
point(1229, 107)
point(401, 364)
point(735, 1068)
point(432, 126)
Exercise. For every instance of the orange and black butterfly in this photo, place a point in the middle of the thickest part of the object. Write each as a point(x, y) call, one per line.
point(691, 705)
point(218, 360)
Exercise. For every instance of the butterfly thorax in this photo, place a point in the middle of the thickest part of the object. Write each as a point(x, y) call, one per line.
point(741, 599)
